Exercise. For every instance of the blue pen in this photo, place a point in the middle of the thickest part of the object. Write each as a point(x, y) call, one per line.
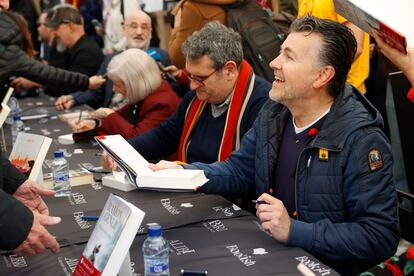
point(80, 117)
point(90, 218)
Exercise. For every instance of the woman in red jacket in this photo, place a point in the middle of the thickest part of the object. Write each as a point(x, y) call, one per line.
point(151, 99)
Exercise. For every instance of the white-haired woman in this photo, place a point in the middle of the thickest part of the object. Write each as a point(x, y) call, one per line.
point(151, 99)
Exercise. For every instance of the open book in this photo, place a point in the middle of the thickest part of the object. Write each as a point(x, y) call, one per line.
point(355, 13)
point(137, 171)
point(111, 238)
point(28, 153)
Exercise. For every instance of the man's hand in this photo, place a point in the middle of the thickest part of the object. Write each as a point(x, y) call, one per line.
point(64, 102)
point(39, 239)
point(21, 83)
point(173, 70)
point(274, 217)
point(102, 112)
point(107, 162)
point(404, 62)
point(30, 194)
point(82, 126)
point(96, 81)
point(162, 165)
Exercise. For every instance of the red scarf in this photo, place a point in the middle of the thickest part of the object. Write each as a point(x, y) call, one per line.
point(231, 133)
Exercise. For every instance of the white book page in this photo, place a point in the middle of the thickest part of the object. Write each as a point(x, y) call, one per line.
point(128, 154)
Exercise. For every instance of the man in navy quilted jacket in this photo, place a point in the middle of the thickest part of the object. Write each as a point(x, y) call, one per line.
point(316, 156)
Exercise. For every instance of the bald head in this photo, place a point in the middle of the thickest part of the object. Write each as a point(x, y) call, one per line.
point(138, 30)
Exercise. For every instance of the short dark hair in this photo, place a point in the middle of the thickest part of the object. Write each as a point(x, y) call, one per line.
point(338, 48)
point(219, 43)
point(61, 15)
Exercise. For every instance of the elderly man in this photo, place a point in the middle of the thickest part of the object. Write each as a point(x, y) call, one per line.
point(83, 53)
point(225, 99)
point(316, 156)
point(137, 31)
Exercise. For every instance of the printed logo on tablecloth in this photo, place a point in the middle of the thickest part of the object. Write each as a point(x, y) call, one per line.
point(236, 208)
point(215, 226)
point(77, 199)
point(244, 258)
point(187, 205)
point(17, 261)
point(68, 265)
point(259, 251)
point(314, 266)
point(166, 203)
point(179, 247)
point(227, 211)
point(97, 185)
point(83, 224)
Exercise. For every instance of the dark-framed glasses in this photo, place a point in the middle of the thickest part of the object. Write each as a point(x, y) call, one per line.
point(200, 80)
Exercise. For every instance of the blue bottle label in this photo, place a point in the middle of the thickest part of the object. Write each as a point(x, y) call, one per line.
point(158, 268)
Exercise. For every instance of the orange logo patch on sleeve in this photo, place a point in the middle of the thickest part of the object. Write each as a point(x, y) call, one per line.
point(375, 160)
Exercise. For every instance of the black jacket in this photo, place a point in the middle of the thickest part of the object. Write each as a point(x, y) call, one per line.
point(84, 57)
point(14, 62)
point(15, 219)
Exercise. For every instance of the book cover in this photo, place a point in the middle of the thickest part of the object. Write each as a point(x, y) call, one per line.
point(5, 109)
point(29, 152)
point(369, 23)
point(111, 238)
point(137, 171)
point(77, 177)
point(4, 112)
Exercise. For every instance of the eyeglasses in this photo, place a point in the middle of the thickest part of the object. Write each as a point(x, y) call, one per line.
point(135, 26)
point(200, 80)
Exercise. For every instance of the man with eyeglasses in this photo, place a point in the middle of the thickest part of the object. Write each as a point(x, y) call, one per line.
point(137, 34)
point(222, 105)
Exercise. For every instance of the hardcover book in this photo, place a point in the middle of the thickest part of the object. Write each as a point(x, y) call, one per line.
point(111, 238)
point(137, 171)
point(28, 153)
point(76, 177)
point(352, 10)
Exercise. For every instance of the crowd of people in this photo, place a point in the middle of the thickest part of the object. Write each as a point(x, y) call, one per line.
point(309, 147)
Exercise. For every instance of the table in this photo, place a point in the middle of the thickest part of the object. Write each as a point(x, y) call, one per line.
point(204, 232)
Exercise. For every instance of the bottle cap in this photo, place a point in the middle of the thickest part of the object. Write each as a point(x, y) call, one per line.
point(154, 230)
point(58, 153)
point(17, 117)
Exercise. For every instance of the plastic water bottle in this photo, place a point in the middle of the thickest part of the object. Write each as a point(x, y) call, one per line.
point(14, 109)
point(16, 127)
point(155, 250)
point(60, 171)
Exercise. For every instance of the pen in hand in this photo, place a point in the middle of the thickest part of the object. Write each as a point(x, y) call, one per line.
point(80, 117)
point(259, 201)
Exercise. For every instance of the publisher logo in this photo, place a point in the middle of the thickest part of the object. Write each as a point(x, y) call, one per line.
point(96, 185)
point(215, 226)
point(83, 224)
point(187, 205)
point(17, 261)
point(166, 203)
point(315, 267)
point(179, 247)
point(259, 251)
point(227, 211)
point(244, 258)
point(77, 199)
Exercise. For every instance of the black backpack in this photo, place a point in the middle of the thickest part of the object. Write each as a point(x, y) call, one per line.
point(261, 37)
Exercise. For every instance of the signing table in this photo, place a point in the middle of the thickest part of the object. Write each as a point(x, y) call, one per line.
point(204, 232)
